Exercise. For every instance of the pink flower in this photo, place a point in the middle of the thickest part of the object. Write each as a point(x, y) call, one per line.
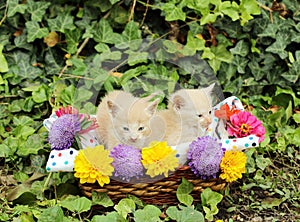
point(243, 124)
point(66, 110)
point(87, 122)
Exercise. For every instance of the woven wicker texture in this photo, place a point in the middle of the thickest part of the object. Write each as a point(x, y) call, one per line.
point(157, 193)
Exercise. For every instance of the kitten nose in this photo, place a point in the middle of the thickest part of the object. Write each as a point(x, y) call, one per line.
point(133, 139)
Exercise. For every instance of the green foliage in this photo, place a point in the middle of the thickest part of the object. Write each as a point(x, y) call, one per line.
point(210, 200)
point(183, 192)
point(55, 53)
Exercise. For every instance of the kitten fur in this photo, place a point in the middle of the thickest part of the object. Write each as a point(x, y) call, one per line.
point(125, 119)
point(188, 114)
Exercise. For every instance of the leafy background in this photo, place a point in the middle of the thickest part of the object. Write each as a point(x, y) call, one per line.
point(52, 53)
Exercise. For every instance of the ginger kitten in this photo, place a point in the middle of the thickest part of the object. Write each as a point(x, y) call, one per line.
point(125, 119)
point(188, 114)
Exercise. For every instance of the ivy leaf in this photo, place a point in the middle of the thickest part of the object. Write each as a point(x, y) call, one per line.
point(103, 32)
point(231, 9)
point(72, 39)
point(247, 9)
point(76, 204)
point(3, 62)
point(101, 47)
point(113, 1)
point(41, 94)
point(149, 213)
point(54, 213)
point(278, 47)
point(173, 12)
point(241, 49)
point(216, 55)
point(61, 23)
point(209, 17)
point(194, 43)
point(131, 37)
point(37, 9)
point(34, 31)
point(51, 39)
point(183, 192)
point(14, 7)
point(137, 57)
point(240, 63)
point(185, 214)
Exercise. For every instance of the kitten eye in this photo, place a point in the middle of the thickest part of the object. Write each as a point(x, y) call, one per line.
point(125, 128)
point(141, 128)
point(200, 115)
point(209, 112)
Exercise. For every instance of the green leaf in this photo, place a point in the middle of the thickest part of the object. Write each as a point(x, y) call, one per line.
point(124, 207)
point(101, 199)
point(54, 213)
point(103, 32)
point(185, 214)
point(241, 49)
point(3, 62)
point(131, 37)
point(183, 192)
point(37, 9)
point(247, 9)
point(67, 94)
point(113, 1)
point(72, 39)
point(194, 43)
point(210, 200)
point(173, 12)
point(82, 95)
point(32, 145)
point(23, 131)
point(278, 47)
point(270, 202)
point(150, 213)
point(101, 47)
point(216, 55)
point(230, 9)
point(62, 23)
point(41, 94)
point(76, 204)
point(296, 117)
point(110, 217)
point(137, 57)
point(5, 151)
point(262, 162)
point(14, 7)
point(209, 18)
point(34, 31)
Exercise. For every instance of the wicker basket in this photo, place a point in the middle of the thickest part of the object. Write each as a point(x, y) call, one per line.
point(157, 193)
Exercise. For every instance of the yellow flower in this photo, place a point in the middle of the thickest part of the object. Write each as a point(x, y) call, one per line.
point(233, 164)
point(159, 158)
point(93, 164)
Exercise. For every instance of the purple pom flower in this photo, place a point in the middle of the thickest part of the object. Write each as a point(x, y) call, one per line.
point(205, 155)
point(63, 130)
point(127, 162)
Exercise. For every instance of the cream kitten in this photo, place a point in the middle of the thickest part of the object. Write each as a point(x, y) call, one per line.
point(125, 119)
point(188, 114)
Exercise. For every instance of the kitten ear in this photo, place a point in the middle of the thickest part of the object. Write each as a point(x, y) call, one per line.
point(113, 108)
point(178, 102)
point(210, 88)
point(151, 108)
